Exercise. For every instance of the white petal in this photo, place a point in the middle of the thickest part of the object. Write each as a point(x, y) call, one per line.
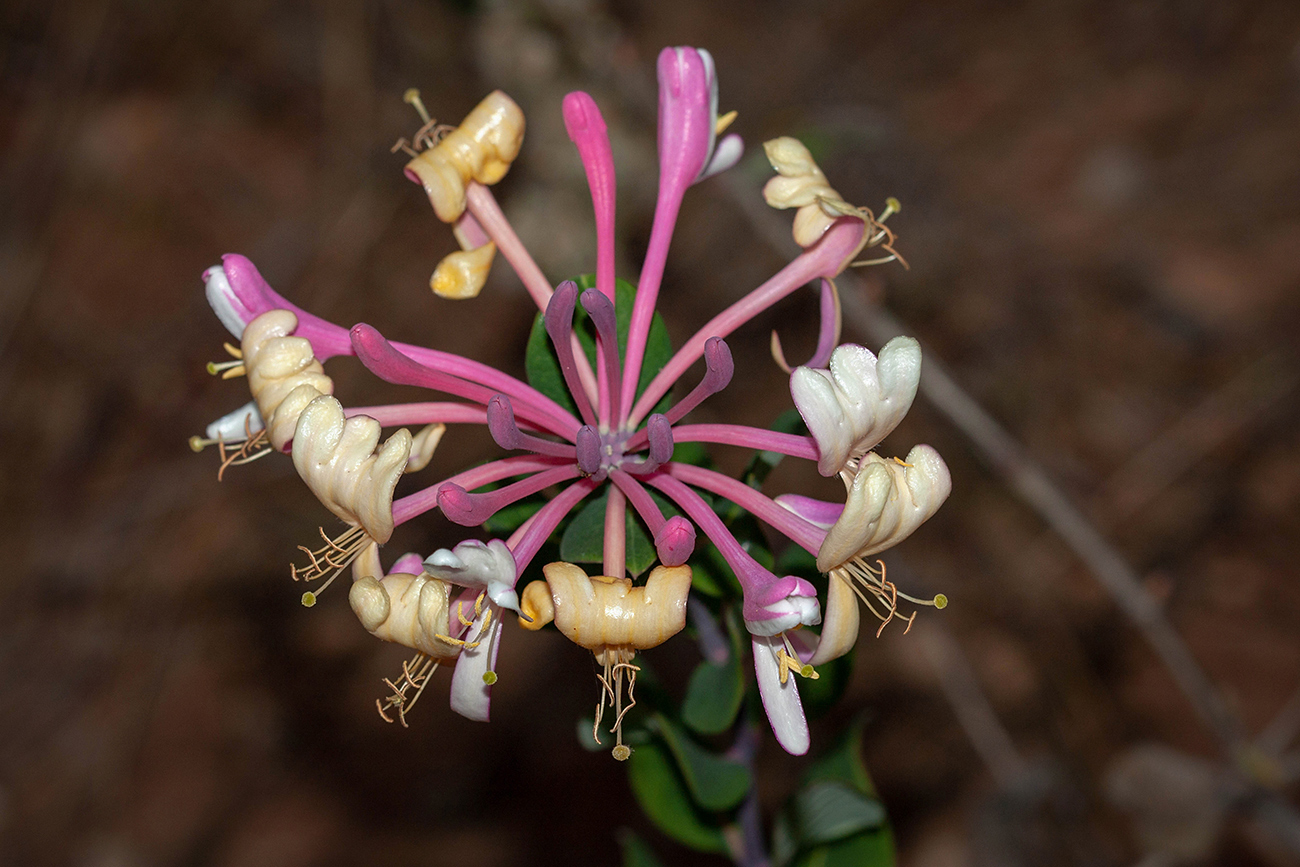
point(224, 302)
point(487, 566)
point(780, 700)
point(235, 426)
point(471, 696)
point(727, 153)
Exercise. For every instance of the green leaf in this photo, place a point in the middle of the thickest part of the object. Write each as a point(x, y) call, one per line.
point(636, 852)
point(662, 793)
point(584, 539)
point(868, 849)
point(543, 368)
point(826, 811)
point(842, 762)
point(716, 783)
point(509, 518)
point(713, 696)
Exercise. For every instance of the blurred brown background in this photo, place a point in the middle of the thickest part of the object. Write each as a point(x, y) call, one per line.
point(1102, 215)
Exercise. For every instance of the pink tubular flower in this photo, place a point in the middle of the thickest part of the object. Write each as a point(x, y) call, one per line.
point(586, 427)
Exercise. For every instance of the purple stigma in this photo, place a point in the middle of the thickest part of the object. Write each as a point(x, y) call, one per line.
point(588, 450)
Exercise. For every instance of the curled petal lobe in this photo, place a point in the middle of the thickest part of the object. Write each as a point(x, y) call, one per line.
point(601, 612)
point(887, 501)
point(481, 149)
point(278, 365)
point(461, 275)
point(410, 610)
point(341, 462)
point(423, 445)
point(486, 566)
point(843, 619)
point(852, 406)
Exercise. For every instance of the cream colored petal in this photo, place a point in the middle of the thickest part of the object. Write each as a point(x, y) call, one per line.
point(841, 623)
point(278, 365)
point(423, 445)
point(461, 275)
point(601, 611)
point(337, 458)
point(858, 401)
point(887, 501)
point(410, 610)
point(481, 149)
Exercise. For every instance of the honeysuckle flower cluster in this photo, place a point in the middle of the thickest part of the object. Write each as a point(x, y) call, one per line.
point(607, 437)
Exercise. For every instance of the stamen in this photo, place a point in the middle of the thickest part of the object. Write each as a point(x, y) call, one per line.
point(415, 676)
point(617, 665)
point(791, 664)
point(228, 369)
point(725, 121)
point(861, 577)
point(251, 447)
point(331, 558)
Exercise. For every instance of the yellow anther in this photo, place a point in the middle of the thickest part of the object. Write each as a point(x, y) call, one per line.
point(725, 121)
point(460, 615)
point(791, 664)
point(227, 369)
point(902, 463)
point(458, 642)
point(412, 98)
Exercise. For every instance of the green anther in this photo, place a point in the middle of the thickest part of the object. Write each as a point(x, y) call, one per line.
point(941, 601)
point(489, 677)
point(308, 599)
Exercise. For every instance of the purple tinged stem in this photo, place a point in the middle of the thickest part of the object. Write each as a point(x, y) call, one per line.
point(328, 340)
point(802, 533)
point(483, 206)
point(659, 432)
point(752, 576)
point(391, 365)
point(825, 258)
point(422, 501)
point(470, 510)
point(432, 412)
point(794, 445)
point(586, 127)
point(718, 370)
point(674, 537)
point(528, 539)
point(615, 553)
point(601, 311)
point(559, 325)
point(505, 430)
